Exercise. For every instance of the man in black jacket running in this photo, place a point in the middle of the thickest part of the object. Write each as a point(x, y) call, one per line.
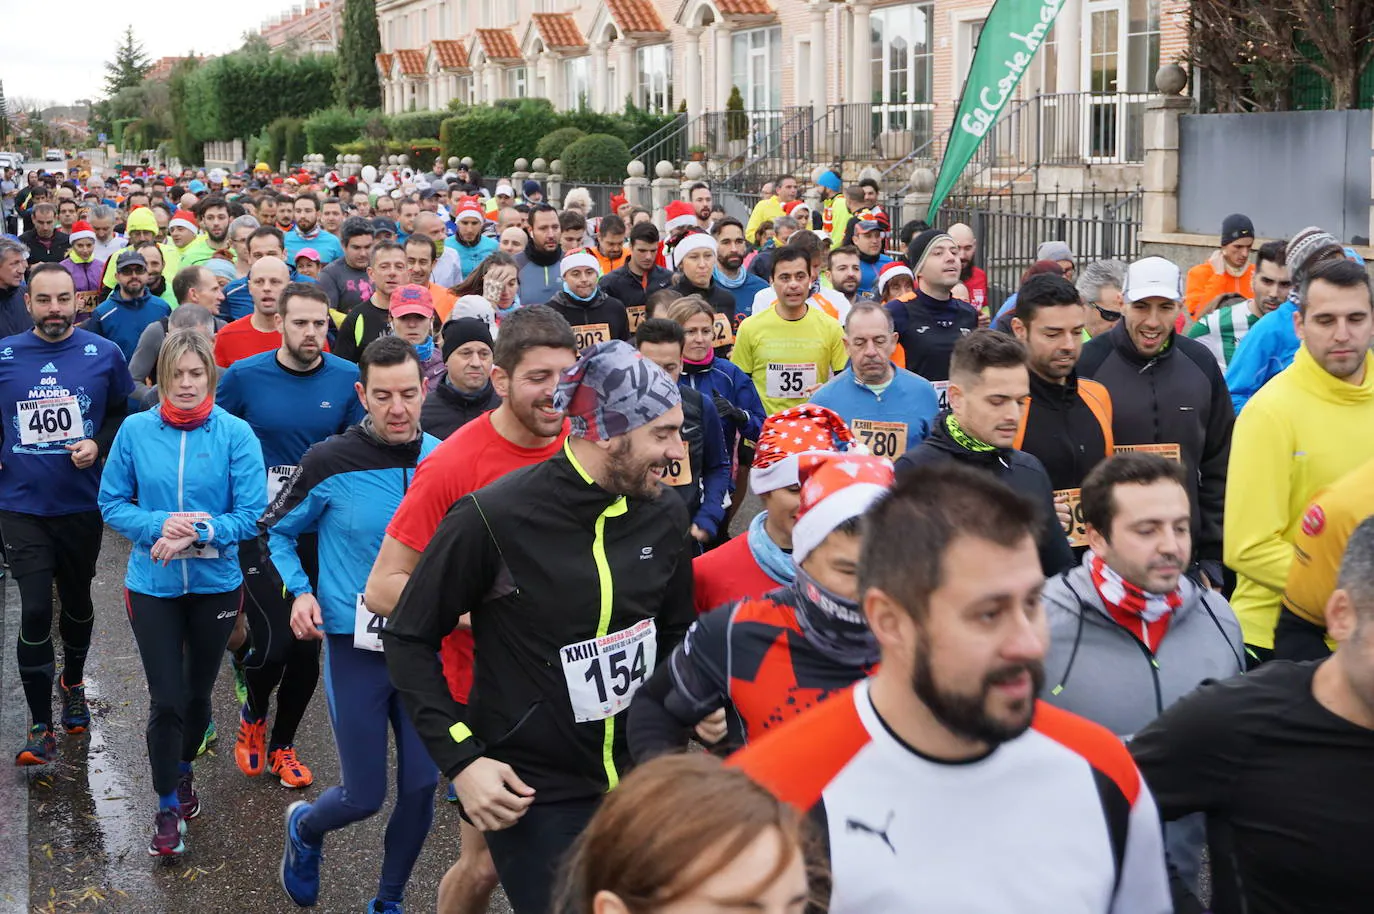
point(577, 577)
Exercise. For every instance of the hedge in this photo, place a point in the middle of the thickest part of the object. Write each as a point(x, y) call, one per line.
point(241, 93)
point(286, 141)
point(414, 123)
point(329, 128)
point(495, 136)
point(551, 147)
point(597, 157)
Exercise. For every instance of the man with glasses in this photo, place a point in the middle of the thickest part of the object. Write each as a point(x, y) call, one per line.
point(1099, 285)
point(1059, 252)
point(1222, 328)
point(130, 308)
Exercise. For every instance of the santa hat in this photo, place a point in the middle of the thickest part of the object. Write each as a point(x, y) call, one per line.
point(183, 218)
point(582, 258)
point(890, 270)
point(798, 430)
point(469, 207)
point(835, 488)
point(679, 214)
point(81, 229)
point(693, 241)
point(617, 201)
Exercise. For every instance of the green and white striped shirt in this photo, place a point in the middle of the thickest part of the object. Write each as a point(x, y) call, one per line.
point(1221, 331)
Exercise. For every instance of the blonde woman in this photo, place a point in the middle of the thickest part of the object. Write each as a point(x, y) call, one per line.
point(184, 483)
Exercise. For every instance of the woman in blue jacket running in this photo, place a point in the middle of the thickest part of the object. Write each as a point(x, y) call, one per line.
point(185, 483)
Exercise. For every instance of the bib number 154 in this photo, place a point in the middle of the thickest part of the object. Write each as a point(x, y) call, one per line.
point(603, 674)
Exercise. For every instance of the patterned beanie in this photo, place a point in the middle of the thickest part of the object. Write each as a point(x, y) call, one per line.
point(612, 390)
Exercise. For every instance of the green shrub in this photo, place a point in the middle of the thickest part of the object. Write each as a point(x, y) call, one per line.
point(495, 137)
point(285, 141)
point(551, 147)
point(330, 128)
point(597, 157)
point(407, 126)
point(239, 94)
point(736, 122)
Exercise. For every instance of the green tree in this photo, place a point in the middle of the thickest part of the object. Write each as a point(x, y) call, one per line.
point(130, 65)
point(358, 85)
point(4, 115)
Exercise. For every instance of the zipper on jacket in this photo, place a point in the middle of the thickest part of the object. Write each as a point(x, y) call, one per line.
point(181, 505)
point(1151, 659)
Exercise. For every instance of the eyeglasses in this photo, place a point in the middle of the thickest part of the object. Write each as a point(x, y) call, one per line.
point(1110, 317)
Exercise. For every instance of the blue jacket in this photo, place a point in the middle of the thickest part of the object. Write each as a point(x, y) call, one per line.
point(868, 272)
point(348, 488)
point(325, 244)
point(471, 256)
point(723, 378)
point(910, 399)
point(745, 288)
point(238, 302)
point(154, 470)
point(14, 314)
point(122, 320)
point(538, 284)
point(1265, 350)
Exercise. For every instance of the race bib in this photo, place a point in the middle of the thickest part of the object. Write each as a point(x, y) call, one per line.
point(884, 439)
point(591, 334)
point(1167, 451)
point(636, 315)
point(723, 334)
point(678, 473)
point(196, 550)
point(50, 420)
point(367, 627)
point(86, 301)
point(1076, 531)
point(279, 478)
point(941, 393)
point(789, 380)
point(604, 673)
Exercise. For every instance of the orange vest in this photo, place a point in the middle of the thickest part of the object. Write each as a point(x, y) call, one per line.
point(1099, 403)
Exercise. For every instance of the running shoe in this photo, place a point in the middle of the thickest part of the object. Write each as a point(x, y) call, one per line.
point(289, 769)
point(186, 796)
point(240, 680)
point(250, 749)
point(211, 736)
point(384, 907)
point(41, 749)
point(169, 834)
point(452, 795)
point(300, 860)
point(76, 714)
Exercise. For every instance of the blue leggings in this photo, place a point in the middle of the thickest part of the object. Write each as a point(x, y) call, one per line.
point(362, 703)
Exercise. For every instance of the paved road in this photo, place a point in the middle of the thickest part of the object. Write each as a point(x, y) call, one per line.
point(90, 817)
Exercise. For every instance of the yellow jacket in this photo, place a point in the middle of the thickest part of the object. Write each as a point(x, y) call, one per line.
point(1326, 526)
point(765, 210)
point(1303, 431)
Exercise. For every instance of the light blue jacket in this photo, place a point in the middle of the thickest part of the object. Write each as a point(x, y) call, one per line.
point(909, 399)
point(470, 257)
point(1265, 350)
point(154, 470)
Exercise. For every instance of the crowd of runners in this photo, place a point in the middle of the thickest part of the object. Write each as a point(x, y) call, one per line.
point(1060, 598)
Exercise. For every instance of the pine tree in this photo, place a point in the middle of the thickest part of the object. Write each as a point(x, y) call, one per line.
point(129, 67)
point(358, 85)
point(4, 116)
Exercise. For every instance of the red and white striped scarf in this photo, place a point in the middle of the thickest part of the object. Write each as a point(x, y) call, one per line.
point(1145, 615)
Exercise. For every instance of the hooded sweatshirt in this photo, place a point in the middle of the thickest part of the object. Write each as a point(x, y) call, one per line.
point(1017, 469)
point(540, 274)
point(1098, 669)
point(1301, 432)
point(598, 320)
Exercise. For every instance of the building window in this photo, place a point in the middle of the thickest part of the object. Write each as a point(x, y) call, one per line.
point(901, 62)
point(655, 65)
point(756, 67)
point(517, 82)
point(577, 83)
point(1142, 45)
point(466, 94)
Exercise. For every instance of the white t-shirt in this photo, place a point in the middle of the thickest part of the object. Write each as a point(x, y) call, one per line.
point(766, 298)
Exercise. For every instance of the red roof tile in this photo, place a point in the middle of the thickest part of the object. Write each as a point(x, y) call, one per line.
point(744, 7)
point(559, 30)
point(635, 16)
point(384, 64)
point(411, 61)
point(451, 55)
point(499, 44)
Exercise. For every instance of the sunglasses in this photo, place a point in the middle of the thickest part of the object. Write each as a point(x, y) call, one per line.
point(136, 271)
point(1110, 317)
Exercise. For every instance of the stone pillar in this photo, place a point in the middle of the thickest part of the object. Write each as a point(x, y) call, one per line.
point(553, 191)
point(917, 202)
point(692, 172)
point(625, 69)
point(636, 185)
point(553, 91)
point(722, 66)
point(538, 173)
point(600, 77)
point(1161, 162)
point(692, 71)
point(819, 67)
point(863, 73)
point(1068, 36)
point(518, 176)
point(665, 189)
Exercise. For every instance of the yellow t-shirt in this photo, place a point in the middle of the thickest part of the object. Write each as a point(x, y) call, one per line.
point(786, 358)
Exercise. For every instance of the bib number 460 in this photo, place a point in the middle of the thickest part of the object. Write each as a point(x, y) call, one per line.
point(48, 421)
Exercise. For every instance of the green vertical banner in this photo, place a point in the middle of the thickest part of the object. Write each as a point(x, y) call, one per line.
point(1012, 33)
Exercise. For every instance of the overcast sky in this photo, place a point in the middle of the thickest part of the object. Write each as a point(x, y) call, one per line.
point(58, 52)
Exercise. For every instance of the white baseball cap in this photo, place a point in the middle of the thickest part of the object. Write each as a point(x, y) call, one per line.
point(1152, 277)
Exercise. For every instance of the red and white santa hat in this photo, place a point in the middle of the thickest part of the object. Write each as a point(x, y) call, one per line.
point(835, 488)
point(889, 270)
point(185, 219)
point(81, 229)
point(468, 208)
point(679, 214)
point(693, 241)
point(798, 430)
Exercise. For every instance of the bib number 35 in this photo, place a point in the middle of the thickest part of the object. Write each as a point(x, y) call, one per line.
point(603, 674)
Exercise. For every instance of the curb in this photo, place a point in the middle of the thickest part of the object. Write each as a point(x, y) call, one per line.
point(14, 786)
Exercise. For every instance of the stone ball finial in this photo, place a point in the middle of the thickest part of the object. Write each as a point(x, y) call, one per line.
point(539, 165)
point(522, 164)
point(922, 179)
point(405, 160)
point(693, 171)
point(468, 161)
point(635, 169)
point(556, 167)
point(453, 162)
point(393, 160)
point(664, 169)
point(1171, 79)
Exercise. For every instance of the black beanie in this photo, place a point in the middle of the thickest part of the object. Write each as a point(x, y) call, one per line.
point(916, 251)
point(1235, 227)
point(464, 330)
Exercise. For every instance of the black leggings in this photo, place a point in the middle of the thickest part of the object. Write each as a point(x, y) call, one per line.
point(529, 854)
point(41, 551)
point(181, 640)
point(278, 660)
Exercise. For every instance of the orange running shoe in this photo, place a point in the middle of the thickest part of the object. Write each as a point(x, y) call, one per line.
point(289, 769)
point(250, 749)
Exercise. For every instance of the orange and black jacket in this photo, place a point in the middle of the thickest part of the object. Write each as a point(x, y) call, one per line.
point(751, 658)
point(1067, 427)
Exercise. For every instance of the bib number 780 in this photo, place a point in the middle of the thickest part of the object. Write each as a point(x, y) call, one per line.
point(603, 674)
